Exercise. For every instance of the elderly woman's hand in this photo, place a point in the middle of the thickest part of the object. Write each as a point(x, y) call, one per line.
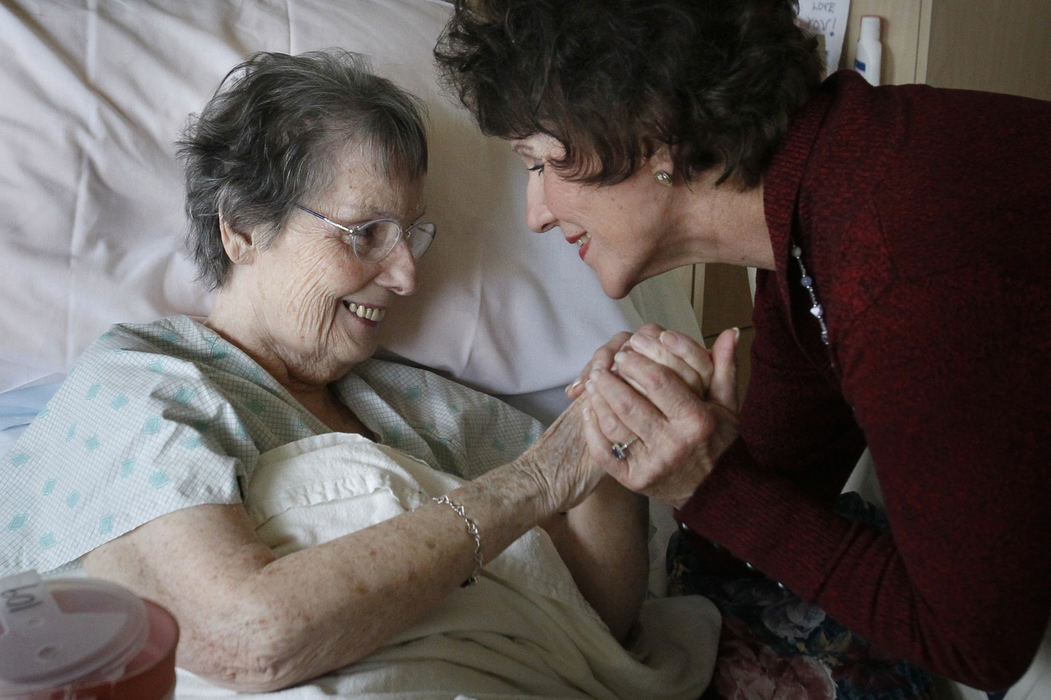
point(675, 398)
point(560, 462)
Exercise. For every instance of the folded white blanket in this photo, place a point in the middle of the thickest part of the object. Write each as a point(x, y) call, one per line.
point(523, 630)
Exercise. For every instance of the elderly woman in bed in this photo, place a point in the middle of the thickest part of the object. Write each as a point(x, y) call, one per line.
point(304, 179)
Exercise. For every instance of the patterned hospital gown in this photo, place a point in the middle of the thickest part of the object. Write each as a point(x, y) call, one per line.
point(162, 416)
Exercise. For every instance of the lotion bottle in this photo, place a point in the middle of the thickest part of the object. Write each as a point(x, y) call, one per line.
point(869, 52)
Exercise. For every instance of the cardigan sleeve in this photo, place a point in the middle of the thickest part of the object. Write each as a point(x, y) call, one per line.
point(769, 499)
point(960, 585)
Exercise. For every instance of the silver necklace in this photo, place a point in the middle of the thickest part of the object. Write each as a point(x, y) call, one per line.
point(808, 283)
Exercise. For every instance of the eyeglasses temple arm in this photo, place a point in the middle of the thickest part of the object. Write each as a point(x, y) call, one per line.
point(341, 227)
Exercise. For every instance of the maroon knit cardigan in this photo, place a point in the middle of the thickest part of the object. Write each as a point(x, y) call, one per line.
point(924, 220)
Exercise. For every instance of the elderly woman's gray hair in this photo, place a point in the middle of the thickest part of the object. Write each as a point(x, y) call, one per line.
point(274, 131)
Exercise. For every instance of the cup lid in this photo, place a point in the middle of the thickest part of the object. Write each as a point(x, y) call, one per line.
point(61, 631)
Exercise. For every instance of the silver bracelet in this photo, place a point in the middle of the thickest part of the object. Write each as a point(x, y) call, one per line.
point(472, 530)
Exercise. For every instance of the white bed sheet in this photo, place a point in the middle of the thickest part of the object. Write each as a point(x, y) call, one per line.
point(96, 92)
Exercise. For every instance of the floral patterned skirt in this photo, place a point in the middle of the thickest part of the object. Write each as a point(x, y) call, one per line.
point(775, 645)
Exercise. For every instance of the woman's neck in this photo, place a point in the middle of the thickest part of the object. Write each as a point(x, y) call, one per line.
point(726, 224)
point(231, 320)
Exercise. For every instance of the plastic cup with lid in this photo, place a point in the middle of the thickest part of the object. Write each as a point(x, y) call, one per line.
point(83, 638)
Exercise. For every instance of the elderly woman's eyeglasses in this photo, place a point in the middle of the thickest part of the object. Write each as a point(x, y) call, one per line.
point(373, 240)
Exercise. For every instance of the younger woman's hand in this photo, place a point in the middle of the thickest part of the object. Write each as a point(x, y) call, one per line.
point(675, 402)
point(680, 353)
point(690, 360)
point(602, 359)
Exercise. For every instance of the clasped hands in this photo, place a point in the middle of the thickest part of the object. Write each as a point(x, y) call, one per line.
point(677, 399)
point(673, 399)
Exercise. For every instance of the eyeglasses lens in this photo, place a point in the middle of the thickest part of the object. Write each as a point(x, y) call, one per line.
point(377, 239)
point(374, 241)
point(420, 238)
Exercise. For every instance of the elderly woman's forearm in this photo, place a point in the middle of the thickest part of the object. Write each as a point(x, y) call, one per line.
point(393, 573)
point(598, 527)
point(603, 543)
point(253, 622)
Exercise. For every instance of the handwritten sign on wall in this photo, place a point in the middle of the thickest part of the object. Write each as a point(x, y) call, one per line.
point(828, 20)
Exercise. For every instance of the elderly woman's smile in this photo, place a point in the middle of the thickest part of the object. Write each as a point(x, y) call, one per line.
point(369, 313)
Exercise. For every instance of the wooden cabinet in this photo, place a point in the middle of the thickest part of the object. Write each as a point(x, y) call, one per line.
point(993, 45)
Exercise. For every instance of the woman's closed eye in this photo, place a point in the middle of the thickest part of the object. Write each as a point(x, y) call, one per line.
point(538, 168)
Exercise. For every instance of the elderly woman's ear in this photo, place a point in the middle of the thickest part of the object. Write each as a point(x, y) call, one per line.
point(238, 243)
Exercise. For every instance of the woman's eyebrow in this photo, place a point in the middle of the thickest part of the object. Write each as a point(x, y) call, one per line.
point(522, 150)
point(368, 213)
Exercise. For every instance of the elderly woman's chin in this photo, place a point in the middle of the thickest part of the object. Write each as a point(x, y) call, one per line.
point(347, 350)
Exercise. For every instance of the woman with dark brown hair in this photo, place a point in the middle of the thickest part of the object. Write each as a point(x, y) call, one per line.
point(902, 301)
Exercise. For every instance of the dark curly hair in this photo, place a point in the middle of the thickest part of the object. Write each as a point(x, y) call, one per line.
point(273, 132)
point(613, 80)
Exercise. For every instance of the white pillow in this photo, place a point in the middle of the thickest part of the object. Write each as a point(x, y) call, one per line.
point(95, 94)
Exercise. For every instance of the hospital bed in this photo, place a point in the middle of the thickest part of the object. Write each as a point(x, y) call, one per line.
point(94, 94)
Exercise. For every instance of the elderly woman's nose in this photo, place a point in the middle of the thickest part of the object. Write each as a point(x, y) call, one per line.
point(399, 269)
point(538, 217)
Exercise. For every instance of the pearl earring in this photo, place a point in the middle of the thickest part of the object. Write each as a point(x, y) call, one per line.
point(663, 177)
